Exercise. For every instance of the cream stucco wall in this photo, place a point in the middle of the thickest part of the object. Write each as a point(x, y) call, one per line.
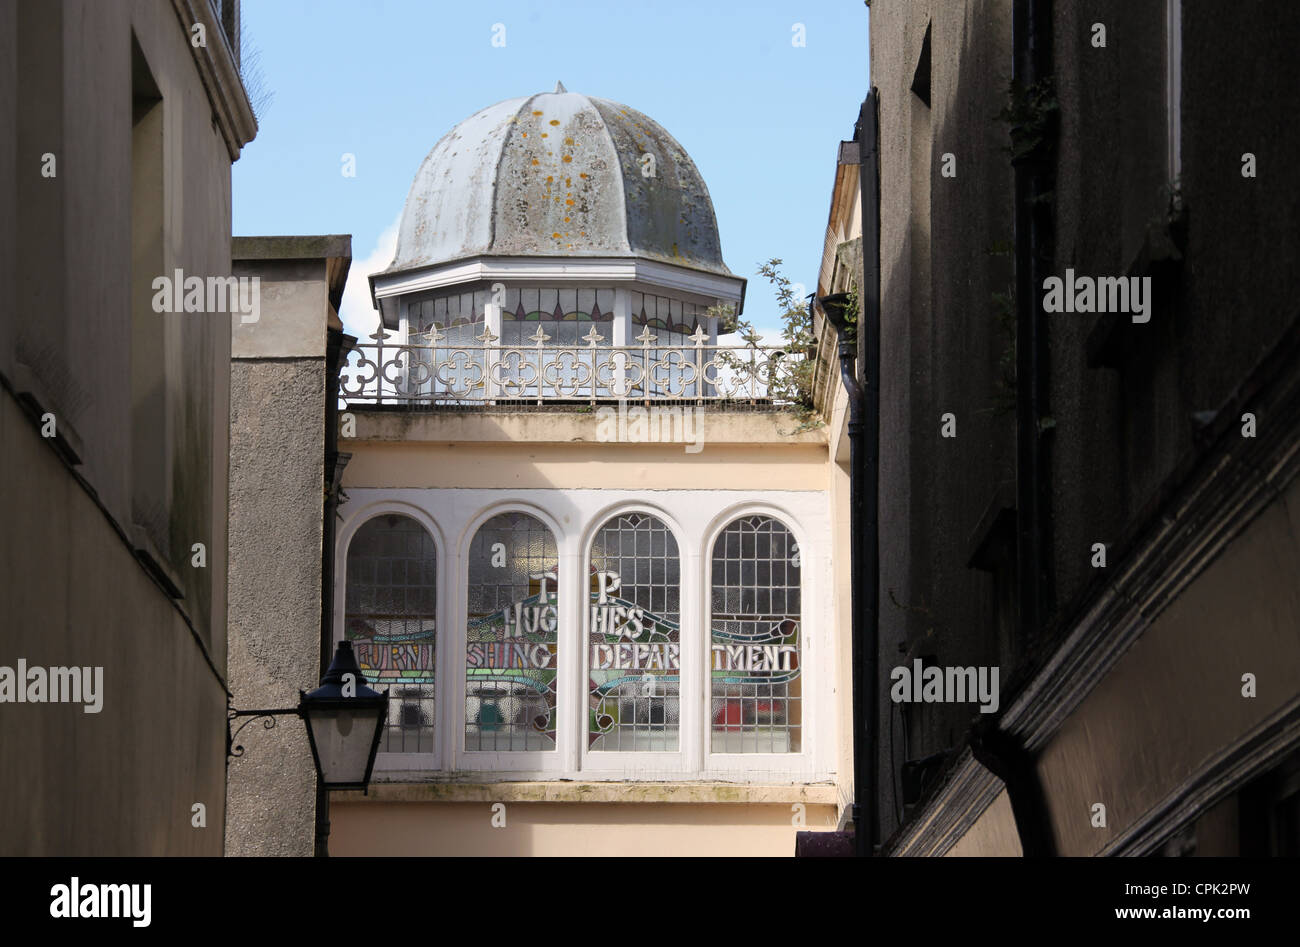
point(505, 448)
point(559, 829)
point(455, 469)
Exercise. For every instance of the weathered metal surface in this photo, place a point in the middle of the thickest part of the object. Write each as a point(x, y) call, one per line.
point(558, 174)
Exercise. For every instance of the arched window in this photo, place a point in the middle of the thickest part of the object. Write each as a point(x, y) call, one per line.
point(754, 658)
point(391, 609)
point(511, 636)
point(634, 636)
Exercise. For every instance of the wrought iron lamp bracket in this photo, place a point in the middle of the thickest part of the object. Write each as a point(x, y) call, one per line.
point(268, 718)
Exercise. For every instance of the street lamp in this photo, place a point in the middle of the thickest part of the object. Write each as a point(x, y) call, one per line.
point(344, 720)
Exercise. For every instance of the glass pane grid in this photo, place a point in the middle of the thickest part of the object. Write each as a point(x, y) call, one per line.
point(634, 637)
point(391, 610)
point(511, 636)
point(754, 656)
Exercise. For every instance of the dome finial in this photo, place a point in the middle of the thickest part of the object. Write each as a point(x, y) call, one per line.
point(559, 87)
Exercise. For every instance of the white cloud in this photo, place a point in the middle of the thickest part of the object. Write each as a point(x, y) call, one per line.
point(770, 337)
point(360, 318)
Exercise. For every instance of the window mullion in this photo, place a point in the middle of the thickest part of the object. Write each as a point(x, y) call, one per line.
point(695, 638)
point(572, 692)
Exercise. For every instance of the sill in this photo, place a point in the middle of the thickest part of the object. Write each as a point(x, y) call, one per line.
point(608, 792)
point(992, 543)
point(36, 401)
point(155, 562)
point(1160, 258)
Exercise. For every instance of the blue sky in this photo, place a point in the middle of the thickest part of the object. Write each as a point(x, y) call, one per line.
point(385, 79)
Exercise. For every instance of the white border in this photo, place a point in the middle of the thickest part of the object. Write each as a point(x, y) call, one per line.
point(537, 761)
point(656, 277)
point(812, 671)
point(615, 764)
point(343, 539)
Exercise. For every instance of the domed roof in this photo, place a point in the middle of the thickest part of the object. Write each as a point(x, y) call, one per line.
point(558, 174)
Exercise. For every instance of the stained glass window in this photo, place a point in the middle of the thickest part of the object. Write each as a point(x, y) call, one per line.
point(444, 331)
point(668, 318)
point(754, 655)
point(566, 315)
point(511, 636)
point(391, 610)
point(671, 322)
point(458, 316)
point(634, 637)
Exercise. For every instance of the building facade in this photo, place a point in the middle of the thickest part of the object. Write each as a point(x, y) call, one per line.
point(1096, 498)
point(583, 540)
point(114, 423)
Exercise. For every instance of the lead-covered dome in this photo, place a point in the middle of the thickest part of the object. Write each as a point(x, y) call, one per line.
point(558, 174)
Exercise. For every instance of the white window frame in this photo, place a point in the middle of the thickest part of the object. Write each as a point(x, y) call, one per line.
point(541, 763)
point(387, 762)
point(660, 765)
point(810, 668)
point(695, 518)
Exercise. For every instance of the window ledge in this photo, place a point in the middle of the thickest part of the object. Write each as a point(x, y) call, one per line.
point(620, 792)
point(34, 396)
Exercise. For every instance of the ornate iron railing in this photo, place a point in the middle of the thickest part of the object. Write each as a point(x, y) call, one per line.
point(436, 371)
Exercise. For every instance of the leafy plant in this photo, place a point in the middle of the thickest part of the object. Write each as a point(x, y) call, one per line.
point(791, 382)
point(851, 314)
point(1004, 313)
point(1031, 112)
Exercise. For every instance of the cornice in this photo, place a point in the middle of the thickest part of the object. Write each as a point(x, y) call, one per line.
point(385, 287)
point(1234, 766)
point(565, 269)
point(220, 74)
point(1218, 494)
point(950, 813)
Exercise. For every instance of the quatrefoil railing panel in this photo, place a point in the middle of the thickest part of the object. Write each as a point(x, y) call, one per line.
point(432, 371)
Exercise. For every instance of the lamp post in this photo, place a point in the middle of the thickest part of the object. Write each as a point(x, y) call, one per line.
point(863, 581)
point(344, 720)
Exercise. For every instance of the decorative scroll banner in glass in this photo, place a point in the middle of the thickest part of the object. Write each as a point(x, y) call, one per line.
point(510, 637)
point(391, 606)
point(754, 655)
point(634, 637)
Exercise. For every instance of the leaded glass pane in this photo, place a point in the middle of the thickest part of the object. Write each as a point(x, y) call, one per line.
point(391, 606)
point(442, 357)
point(511, 636)
point(634, 637)
point(670, 371)
point(754, 659)
point(565, 365)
